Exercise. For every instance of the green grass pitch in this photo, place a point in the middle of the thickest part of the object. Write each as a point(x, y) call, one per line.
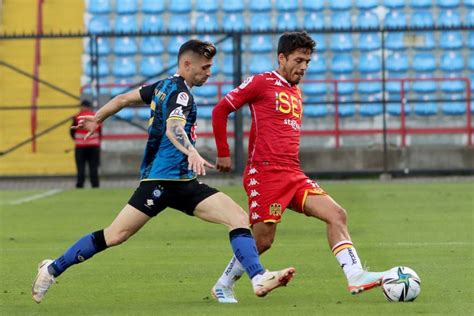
point(169, 267)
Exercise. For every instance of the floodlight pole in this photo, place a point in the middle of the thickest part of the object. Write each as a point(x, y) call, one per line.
point(238, 120)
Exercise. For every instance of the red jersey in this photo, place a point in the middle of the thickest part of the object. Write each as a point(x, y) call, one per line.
point(276, 108)
point(78, 134)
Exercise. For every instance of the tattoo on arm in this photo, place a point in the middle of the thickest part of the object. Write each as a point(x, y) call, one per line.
point(179, 134)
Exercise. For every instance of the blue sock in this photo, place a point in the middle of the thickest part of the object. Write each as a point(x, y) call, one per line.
point(82, 250)
point(245, 250)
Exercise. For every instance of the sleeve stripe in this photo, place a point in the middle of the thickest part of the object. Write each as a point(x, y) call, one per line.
point(231, 104)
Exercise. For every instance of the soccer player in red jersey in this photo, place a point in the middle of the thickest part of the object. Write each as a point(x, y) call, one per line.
point(273, 178)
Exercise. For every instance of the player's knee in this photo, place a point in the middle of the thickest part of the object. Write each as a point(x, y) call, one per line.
point(339, 216)
point(116, 238)
point(263, 244)
point(240, 219)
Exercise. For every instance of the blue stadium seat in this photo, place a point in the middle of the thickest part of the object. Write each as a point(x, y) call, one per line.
point(469, 3)
point(260, 21)
point(260, 6)
point(397, 62)
point(425, 108)
point(144, 113)
point(367, 19)
point(449, 18)
point(394, 4)
point(369, 63)
point(228, 65)
point(315, 111)
point(126, 6)
point(175, 42)
point(343, 87)
point(121, 86)
point(233, 6)
point(370, 87)
point(153, 6)
point(346, 110)
point(394, 86)
point(151, 45)
point(208, 6)
point(126, 23)
point(287, 21)
point(103, 68)
point(447, 3)
point(340, 5)
point(317, 65)
point(395, 19)
point(369, 41)
point(470, 62)
point(259, 64)
point(206, 23)
point(99, 6)
point(341, 20)
point(99, 24)
point(180, 6)
point(226, 88)
point(125, 46)
point(320, 40)
point(421, 18)
point(452, 61)
point(469, 18)
point(312, 5)
point(227, 46)
point(342, 64)
point(367, 4)
point(341, 42)
point(152, 23)
point(103, 46)
point(150, 66)
point(314, 88)
point(470, 40)
point(179, 23)
point(396, 109)
point(206, 91)
point(260, 44)
point(125, 114)
point(313, 21)
point(453, 86)
point(204, 112)
point(370, 110)
point(234, 22)
point(395, 41)
point(451, 40)
point(425, 40)
point(424, 86)
point(285, 5)
point(421, 4)
point(124, 67)
point(454, 108)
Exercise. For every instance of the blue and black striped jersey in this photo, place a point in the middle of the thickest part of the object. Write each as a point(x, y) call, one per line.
point(169, 99)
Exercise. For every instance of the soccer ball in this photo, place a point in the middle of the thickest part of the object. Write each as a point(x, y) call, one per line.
point(401, 284)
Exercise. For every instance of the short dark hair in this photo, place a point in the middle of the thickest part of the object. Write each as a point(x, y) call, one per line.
point(198, 47)
point(86, 103)
point(291, 41)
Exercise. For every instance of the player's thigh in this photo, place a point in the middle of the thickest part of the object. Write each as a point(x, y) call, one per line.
point(220, 208)
point(323, 207)
point(127, 223)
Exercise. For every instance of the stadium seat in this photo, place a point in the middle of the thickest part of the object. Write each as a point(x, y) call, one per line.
point(260, 21)
point(341, 20)
point(453, 86)
point(204, 112)
point(227, 46)
point(370, 110)
point(394, 87)
point(369, 63)
point(287, 21)
point(206, 23)
point(367, 19)
point(342, 64)
point(313, 21)
point(180, 6)
point(367, 4)
point(99, 24)
point(151, 45)
point(447, 3)
point(447, 18)
point(421, 18)
point(259, 64)
point(260, 44)
point(369, 41)
point(417, 4)
point(208, 6)
point(103, 68)
point(153, 6)
point(226, 88)
point(340, 5)
point(99, 6)
point(175, 42)
point(314, 88)
point(470, 62)
point(469, 3)
point(396, 109)
point(469, 18)
point(454, 108)
point(228, 65)
point(144, 114)
point(370, 87)
point(150, 66)
point(260, 6)
point(206, 91)
point(103, 46)
point(179, 23)
point(425, 108)
point(346, 110)
point(233, 6)
point(151, 23)
point(395, 19)
point(126, 23)
point(234, 22)
point(126, 6)
point(452, 61)
point(423, 62)
point(343, 87)
point(424, 40)
point(286, 6)
point(317, 64)
point(341, 42)
point(451, 40)
point(394, 4)
point(124, 67)
point(312, 5)
point(397, 62)
point(125, 46)
point(470, 40)
point(320, 40)
point(121, 86)
point(125, 114)
point(424, 87)
point(315, 111)
point(395, 41)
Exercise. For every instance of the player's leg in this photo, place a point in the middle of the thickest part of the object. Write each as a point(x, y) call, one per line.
point(80, 166)
point(94, 159)
point(127, 223)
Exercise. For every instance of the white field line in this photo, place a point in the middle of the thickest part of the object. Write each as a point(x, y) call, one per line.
point(36, 197)
point(423, 244)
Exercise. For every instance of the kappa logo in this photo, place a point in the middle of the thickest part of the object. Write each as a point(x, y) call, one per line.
point(178, 113)
point(253, 182)
point(278, 83)
point(275, 209)
point(255, 216)
point(182, 98)
point(254, 193)
point(254, 204)
point(252, 171)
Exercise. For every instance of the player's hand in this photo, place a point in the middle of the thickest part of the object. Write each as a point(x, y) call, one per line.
point(223, 164)
point(197, 163)
point(87, 122)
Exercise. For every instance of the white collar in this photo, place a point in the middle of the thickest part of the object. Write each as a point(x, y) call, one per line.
point(281, 78)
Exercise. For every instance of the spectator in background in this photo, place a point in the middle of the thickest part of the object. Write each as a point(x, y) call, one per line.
point(86, 150)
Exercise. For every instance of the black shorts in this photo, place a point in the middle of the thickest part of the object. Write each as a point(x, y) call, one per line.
point(152, 197)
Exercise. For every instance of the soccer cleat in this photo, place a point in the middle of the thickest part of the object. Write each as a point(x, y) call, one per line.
point(42, 282)
point(270, 280)
point(224, 294)
point(365, 281)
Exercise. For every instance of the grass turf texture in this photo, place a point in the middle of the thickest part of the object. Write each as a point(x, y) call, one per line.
point(170, 266)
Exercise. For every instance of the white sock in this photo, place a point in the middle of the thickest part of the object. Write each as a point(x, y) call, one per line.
point(232, 273)
point(347, 257)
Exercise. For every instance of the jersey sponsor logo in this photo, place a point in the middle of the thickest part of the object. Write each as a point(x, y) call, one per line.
point(246, 82)
point(294, 124)
point(275, 209)
point(178, 113)
point(182, 98)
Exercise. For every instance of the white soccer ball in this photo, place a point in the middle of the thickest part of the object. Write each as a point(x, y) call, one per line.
point(401, 284)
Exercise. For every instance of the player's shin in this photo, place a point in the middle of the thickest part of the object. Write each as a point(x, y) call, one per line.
point(245, 251)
